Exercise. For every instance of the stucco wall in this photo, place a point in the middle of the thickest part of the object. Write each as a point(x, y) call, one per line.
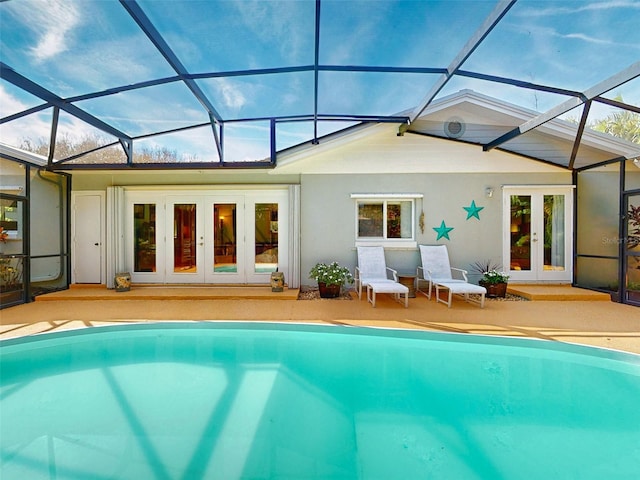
point(328, 214)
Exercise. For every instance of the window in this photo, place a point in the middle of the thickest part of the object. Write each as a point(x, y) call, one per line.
point(11, 217)
point(387, 219)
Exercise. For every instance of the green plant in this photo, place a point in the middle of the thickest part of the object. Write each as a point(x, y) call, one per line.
point(490, 273)
point(330, 274)
point(494, 276)
point(10, 273)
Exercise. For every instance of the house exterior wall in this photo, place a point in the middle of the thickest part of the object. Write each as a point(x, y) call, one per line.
point(449, 175)
point(328, 215)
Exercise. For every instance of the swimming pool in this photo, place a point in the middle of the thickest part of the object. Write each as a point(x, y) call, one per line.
point(231, 400)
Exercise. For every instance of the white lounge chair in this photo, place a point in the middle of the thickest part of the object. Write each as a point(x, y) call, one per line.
point(372, 268)
point(436, 270)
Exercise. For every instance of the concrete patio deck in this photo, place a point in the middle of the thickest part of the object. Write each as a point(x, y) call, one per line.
point(589, 321)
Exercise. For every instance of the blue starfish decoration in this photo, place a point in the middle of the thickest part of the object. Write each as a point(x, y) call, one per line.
point(473, 210)
point(443, 231)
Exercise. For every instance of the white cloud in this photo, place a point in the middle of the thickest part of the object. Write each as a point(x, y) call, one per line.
point(576, 7)
point(54, 20)
point(232, 97)
point(33, 127)
point(10, 104)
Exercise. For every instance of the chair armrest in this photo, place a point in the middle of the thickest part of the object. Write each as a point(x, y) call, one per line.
point(462, 272)
point(423, 274)
point(394, 273)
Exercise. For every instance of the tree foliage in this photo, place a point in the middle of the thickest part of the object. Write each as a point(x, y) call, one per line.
point(622, 124)
point(94, 149)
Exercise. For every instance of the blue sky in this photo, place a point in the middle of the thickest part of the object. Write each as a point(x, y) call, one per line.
point(75, 47)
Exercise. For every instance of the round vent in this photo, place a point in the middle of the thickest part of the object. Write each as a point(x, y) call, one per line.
point(454, 128)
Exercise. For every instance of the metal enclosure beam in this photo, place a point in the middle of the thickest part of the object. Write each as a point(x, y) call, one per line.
point(11, 76)
point(316, 74)
point(132, 7)
point(578, 139)
point(489, 24)
point(614, 81)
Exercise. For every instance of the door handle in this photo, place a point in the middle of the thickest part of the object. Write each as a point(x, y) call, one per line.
point(96, 244)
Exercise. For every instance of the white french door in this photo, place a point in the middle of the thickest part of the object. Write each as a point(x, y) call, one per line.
point(267, 234)
point(538, 233)
point(185, 240)
point(224, 256)
point(214, 238)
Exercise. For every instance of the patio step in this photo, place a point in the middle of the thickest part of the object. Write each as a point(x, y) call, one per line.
point(184, 292)
point(562, 293)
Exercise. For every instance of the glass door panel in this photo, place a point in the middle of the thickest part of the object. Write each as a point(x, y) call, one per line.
point(267, 229)
point(144, 258)
point(554, 233)
point(266, 238)
point(186, 243)
point(632, 251)
point(225, 237)
point(184, 238)
point(520, 232)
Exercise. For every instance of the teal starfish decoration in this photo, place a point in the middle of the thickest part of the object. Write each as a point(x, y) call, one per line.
point(443, 231)
point(473, 210)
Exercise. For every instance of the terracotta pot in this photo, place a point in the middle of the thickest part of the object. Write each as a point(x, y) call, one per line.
point(329, 291)
point(494, 290)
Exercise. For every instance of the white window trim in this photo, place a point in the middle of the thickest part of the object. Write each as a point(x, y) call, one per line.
point(399, 243)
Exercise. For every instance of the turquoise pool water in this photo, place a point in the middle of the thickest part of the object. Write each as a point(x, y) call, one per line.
point(281, 401)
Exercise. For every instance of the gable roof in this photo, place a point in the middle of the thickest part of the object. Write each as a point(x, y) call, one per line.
point(476, 119)
point(479, 119)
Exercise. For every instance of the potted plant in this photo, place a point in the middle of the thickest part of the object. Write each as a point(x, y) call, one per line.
point(493, 279)
point(330, 278)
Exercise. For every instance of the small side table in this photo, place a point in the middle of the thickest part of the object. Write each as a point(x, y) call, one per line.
point(409, 281)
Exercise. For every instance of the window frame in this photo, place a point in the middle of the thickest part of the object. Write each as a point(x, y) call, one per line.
point(385, 199)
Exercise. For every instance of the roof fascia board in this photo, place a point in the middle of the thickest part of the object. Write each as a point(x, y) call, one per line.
point(614, 81)
point(22, 155)
point(487, 26)
point(10, 75)
point(261, 165)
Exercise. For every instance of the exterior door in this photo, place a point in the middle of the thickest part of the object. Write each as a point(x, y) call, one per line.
point(224, 238)
point(538, 233)
point(87, 238)
point(630, 289)
point(185, 240)
point(267, 235)
point(234, 237)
